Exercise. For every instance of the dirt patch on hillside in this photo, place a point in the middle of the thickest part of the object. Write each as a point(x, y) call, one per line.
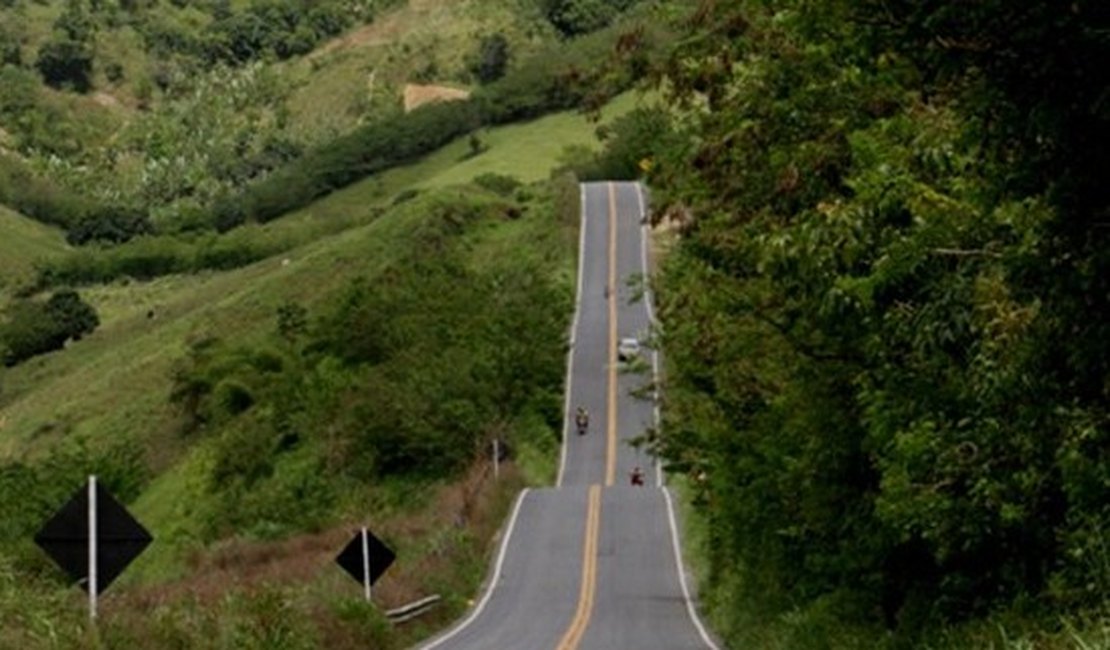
point(106, 100)
point(417, 95)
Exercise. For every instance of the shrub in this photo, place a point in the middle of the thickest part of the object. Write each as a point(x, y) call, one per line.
point(10, 48)
point(114, 72)
point(492, 59)
point(66, 63)
point(497, 183)
point(34, 328)
point(36, 196)
point(111, 224)
point(630, 144)
point(406, 195)
point(574, 17)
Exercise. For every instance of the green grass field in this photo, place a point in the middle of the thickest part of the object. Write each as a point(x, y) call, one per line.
point(23, 242)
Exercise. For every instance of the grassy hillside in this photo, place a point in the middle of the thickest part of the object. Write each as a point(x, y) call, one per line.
point(338, 85)
point(104, 403)
point(110, 394)
point(125, 391)
point(118, 392)
point(169, 122)
point(23, 242)
point(525, 151)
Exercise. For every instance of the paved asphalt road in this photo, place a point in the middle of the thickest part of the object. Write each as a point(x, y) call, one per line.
point(591, 563)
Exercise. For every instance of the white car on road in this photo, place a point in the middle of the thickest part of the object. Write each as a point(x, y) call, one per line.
point(628, 349)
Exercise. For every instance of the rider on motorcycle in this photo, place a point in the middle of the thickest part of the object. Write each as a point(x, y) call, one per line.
point(582, 419)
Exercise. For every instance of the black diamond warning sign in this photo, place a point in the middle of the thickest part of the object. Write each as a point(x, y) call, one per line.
point(119, 538)
point(351, 558)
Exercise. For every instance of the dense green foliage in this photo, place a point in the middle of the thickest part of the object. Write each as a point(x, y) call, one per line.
point(31, 327)
point(66, 63)
point(886, 320)
point(112, 224)
point(493, 57)
point(576, 17)
point(629, 143)
point(408, 374)
point(36, 196)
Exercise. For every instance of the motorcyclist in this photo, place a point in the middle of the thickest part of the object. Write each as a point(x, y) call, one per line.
point(637, 476)
point(582, 419)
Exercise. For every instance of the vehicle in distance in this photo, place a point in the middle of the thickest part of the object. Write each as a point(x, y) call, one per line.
point(628, 349)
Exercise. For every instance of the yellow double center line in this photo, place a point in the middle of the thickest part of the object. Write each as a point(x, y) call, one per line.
point(573, 636)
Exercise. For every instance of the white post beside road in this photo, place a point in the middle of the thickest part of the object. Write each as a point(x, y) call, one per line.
point(366, 562)
point(92, 548)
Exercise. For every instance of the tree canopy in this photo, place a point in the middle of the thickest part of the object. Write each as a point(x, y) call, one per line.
point(885, 322)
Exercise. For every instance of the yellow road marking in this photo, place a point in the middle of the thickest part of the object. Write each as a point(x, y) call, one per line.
point(611, 458)
point(573, 636)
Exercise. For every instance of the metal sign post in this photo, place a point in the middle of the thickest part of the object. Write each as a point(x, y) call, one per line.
point(92, 548)
point(366, 562)
point(365, 558)
point(92, 538)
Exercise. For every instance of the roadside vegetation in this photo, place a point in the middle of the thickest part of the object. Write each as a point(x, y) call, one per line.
point(444, 331)
point(255, 366)
point(884, 320)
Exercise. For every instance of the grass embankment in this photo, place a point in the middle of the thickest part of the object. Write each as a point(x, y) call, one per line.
point(111, 392)
point(23, 242)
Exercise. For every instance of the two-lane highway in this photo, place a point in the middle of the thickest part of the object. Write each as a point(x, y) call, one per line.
point(594, 563)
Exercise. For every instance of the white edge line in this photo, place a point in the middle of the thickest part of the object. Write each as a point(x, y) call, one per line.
point(690, 609)
point(573, 331)
point(491, 585)
point(645, 234)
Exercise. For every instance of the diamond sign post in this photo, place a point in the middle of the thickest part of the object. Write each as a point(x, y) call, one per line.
point(365, 558)
point(93, 538)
